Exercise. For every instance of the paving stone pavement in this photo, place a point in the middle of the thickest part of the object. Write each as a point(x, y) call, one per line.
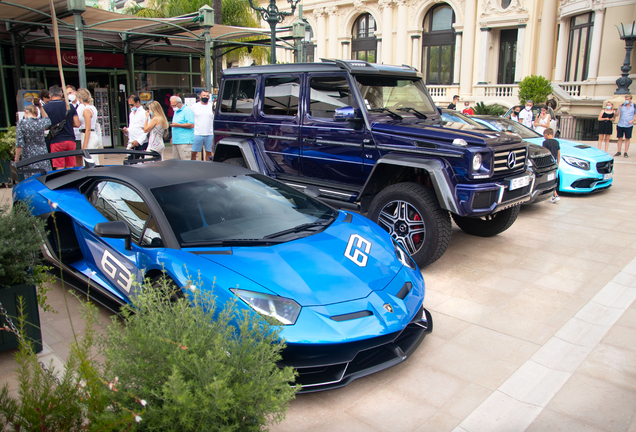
point(534, 330)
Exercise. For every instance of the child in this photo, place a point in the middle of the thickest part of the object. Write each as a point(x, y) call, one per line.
point(553, 145)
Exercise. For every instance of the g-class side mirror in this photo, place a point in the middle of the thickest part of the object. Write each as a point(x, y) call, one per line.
point(344, 114)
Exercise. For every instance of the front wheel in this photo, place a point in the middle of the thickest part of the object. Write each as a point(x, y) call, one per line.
point(411, 214)
point(490, 225)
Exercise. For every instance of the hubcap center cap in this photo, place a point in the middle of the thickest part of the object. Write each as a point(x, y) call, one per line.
point(401, 228)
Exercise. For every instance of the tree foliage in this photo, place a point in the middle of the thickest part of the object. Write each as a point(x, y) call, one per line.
point(535, 88)
point(494, 109)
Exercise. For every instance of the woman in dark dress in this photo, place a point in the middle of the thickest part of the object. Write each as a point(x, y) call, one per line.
point(605, 126)
point(29, 139)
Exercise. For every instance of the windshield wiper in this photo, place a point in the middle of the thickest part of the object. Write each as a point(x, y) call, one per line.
point(230, 242)
point(388, 111)
point(299, 228)
point(414, 111)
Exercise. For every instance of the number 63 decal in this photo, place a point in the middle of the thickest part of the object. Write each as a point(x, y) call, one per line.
point(117, 271)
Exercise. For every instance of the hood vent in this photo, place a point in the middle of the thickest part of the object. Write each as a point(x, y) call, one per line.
point(422, 144)
point(583, 146)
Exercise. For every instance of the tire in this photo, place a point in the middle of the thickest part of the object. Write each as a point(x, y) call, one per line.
point(411, 214)
point(171, 289)
point(237, 161)
point(490, 225)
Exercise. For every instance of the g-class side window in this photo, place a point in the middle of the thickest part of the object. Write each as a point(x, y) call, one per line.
point(329, 93)
point(281, 96)
point(238, 96)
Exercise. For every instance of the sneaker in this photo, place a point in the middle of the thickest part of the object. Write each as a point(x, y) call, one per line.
point(617, 154)
point(557, 198)
point(625, 155)
point(553, 199)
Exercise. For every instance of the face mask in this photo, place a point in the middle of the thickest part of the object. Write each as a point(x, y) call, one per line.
point(517, 112)
point(133, 109)
point(72, 98)
point(608, 107)
point(205, 100)
point(528, 108)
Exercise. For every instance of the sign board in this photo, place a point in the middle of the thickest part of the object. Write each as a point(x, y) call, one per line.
point(69, 58)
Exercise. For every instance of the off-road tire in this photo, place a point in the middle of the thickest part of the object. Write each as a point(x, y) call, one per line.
point(237, 161)
point(398, 203)
point(488, 226)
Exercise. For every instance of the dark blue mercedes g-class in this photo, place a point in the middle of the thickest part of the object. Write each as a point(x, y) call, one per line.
point(368, 137)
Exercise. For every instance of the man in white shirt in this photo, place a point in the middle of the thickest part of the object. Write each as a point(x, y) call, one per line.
point(71, 93)
point(525, 116)
point(137, 138)
point(203, 127)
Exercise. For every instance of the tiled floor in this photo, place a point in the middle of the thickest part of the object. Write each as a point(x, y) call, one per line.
point(534, 329)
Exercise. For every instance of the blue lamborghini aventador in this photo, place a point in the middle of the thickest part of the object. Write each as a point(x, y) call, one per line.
point(348, 297)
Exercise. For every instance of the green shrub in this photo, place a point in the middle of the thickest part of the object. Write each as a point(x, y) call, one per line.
point(195, 372)
point(494, 109)
point(7, 144)
point(535, 88)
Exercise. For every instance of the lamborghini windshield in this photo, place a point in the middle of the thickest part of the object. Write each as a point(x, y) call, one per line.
point(242, 210)
point(404, 95)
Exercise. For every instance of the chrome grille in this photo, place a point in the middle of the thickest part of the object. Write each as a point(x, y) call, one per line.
point(501, 160)
point(543, 161)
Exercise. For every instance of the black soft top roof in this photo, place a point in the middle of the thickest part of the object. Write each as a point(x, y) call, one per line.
point(353, 66)
point(146, 175)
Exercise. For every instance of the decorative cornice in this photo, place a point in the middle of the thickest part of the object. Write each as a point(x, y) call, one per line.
point(320, 12)
point(332, 10)
point(385, 4)
point(358, 5)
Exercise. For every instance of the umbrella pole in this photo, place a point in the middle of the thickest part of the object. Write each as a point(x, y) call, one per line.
point(56, 37)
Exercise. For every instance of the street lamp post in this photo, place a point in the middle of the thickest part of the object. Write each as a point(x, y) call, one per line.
point(628, 34)
point(273, 16)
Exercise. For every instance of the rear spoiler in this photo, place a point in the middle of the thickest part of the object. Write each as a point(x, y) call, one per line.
point(20, 167)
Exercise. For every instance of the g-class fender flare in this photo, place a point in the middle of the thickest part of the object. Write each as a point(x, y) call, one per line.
point(438, 170)
point(245, 147)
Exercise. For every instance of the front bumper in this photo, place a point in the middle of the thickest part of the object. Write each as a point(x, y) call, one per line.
point(489, 198)
point(329, 366)
point(544, 186)
point(576, 180)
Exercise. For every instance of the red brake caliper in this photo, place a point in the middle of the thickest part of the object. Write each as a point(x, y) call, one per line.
point(416, 237)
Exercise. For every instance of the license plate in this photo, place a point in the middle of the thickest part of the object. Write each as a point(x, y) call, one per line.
point(551, 176)
point(519, 182)
point(608, 176)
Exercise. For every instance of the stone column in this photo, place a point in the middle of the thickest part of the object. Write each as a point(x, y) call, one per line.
point(417, 49)
point(378, 54)
point(595, 50)
point(545, 56)
point(483, 55)
point(468, 49)
point(562, 50)
point(458, 57)
point(345, 50)
point(521, 39)
point(387, 30)
point(321, 32)
point(401, 48)
point(333, 31)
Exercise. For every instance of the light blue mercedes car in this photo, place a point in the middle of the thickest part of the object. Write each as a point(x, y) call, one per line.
point(582, 168)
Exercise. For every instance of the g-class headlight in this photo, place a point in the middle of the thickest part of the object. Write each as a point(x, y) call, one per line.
point(283, 309)
point(476, 161)
point(577, 163)
point(403, 256)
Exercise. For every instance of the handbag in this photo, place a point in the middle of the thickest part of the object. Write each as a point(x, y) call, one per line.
point(54, 130)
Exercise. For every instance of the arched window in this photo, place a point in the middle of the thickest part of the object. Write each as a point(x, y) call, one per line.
point(438, 45)
point(579, 47)
point(364, 44)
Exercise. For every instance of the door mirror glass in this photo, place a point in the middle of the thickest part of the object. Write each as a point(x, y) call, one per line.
point(344, 114)
point(114, 229)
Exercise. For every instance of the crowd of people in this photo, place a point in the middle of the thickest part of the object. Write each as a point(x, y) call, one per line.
point(52, 125)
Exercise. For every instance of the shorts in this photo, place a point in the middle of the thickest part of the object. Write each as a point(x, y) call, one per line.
point(626, 131)
point(201, 141)
point(182, 151)
point(65, 162)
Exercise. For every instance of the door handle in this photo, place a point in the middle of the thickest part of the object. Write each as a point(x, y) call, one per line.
point(262, 135)
point(313, 140)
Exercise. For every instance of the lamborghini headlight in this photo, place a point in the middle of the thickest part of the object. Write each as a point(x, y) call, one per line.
point(577, 163)
point(283, 309)
point(403, 256)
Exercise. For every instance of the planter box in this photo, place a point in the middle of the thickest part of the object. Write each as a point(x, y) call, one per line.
point(9, 299)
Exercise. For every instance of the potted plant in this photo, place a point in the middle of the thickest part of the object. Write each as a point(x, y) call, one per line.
point(21, 275)
point(7, 153)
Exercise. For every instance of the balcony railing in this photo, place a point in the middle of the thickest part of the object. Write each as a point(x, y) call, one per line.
point(573, 89)
point(501, 90)
point(437, 91)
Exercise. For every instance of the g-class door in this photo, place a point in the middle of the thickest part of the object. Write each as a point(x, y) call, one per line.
point(331, 150)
